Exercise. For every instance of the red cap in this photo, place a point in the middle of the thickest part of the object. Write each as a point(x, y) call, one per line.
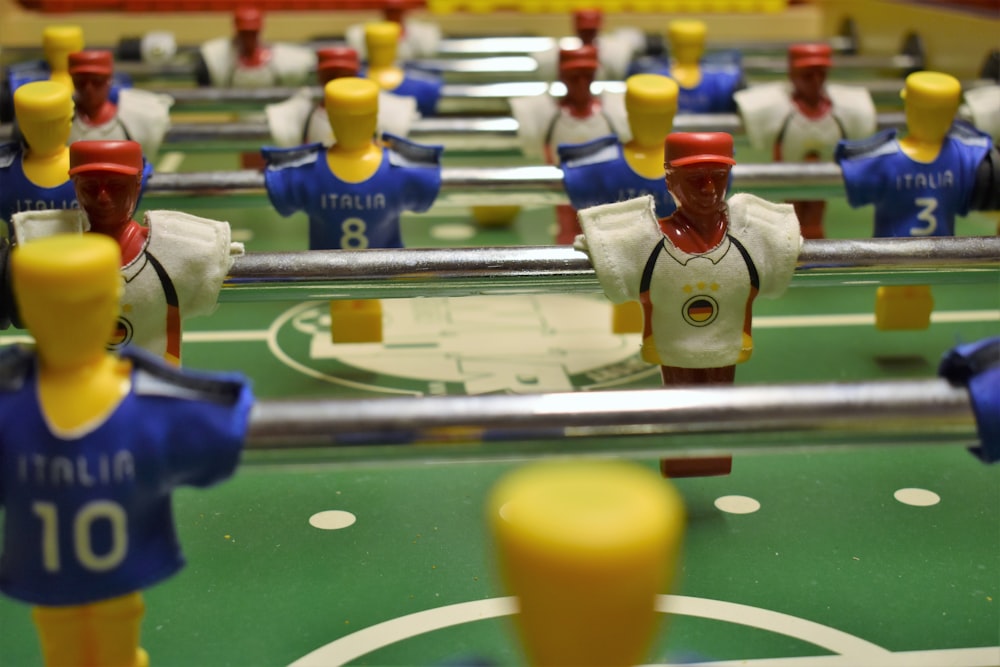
point(393, 10)
point(584, 57)
point(587, 19)
point(91, 62)
point(684, 148)
point(338, 60)
point(809, 55)
point(118, 157)
point(248, 18)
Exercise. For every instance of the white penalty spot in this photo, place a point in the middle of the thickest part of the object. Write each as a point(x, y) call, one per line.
point(917, 497)
point(737, 504)
point(332, 520)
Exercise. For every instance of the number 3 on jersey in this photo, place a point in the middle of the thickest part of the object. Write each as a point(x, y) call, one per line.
point(353, 237)
point(926, 214)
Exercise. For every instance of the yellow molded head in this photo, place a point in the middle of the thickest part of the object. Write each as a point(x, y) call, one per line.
point(382, 42)
point(587, 546)
point(651, 103)
point(687, 39)
point(931, 100)
point(352, 105)
point(58, 41)
point(67, 289)
point(44, 111)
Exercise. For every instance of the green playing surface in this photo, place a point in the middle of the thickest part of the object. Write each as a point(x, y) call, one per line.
point(867, 556)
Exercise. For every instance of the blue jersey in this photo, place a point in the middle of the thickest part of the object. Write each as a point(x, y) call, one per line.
point(18, 193)
point(913, 198)
point(88, 515)
point(720, 78)
point(597, 173)
point(423, 86)
point(353, 215)
point(38, 70)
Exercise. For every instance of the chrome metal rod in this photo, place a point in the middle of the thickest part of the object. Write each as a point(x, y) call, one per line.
point(681, 421)
point(454, 272)
point(458, 98)
point(485, 133)
point(531, 185)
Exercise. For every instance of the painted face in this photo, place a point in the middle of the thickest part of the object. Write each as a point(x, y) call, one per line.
point(108, 199)
point(700, 189)
point(92, 90)
point(577, 82)
point(808, 82)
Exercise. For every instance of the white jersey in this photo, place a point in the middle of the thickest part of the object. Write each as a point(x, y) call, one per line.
point(286, 65)
point(773, 120)
point(982, 109)
point(615, 51)
point(177, 275)
point(542, 124)
point(696, 305)
point(142, 116)
point(299, 120)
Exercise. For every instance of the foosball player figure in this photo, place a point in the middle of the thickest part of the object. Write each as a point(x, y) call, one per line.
point(615, 49)
point(301, 120)
point(383, 67)
point(707, 84)
point(172, 267)
point(93, 445)
point(138, 115)
point(697, 271)
point(33, 171)
point(244, 61)
point(354, 191)
point(417, 39)
point(58, 41)
point(942, 168)
point(605, 170)
point(545, 122)
point(586, 547)
point(802, 120)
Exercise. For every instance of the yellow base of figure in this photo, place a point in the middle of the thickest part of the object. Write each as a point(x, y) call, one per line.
point(102, 634)
point(586, 546)
point(495, 216)
point(356, 321)
point(626, 318)
point(903, 307)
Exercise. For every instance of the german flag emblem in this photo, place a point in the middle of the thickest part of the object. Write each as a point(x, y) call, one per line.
point(700, 311)
point(122, 334)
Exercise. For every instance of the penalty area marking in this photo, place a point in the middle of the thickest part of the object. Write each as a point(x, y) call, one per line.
point(853, 650)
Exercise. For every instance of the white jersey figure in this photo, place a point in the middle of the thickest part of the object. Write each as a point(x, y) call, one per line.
point(300, 120)
point(243, 62)
point(173, 267)
point(803, 119)
point(137, 115)
point(697, 272)
point(417, 39)
point(615, 49)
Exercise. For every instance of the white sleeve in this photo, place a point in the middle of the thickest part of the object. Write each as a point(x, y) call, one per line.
point(396, 114)
point(287, 120)
point(197, 254)
point(548, 64)
point(218, 56)
point(533, 115)
point(619, 237)
point(423, 38)
point(294, 64)
point(617, 49)
point(613, 106)
point(763, 109)
point(983, 107)
point(855, 109)
point(32, 225)
point(146, 117)
point(770, 234)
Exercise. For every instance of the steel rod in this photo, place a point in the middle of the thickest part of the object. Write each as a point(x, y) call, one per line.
point(529, 185)
point(682, 421)
point(454, 272)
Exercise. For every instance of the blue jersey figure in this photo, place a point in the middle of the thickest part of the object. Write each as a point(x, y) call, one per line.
point(919, 183)
point(92, 444)
point(350, 215)
point(597, 173)
point(913, 198)
point(382, 45)
point(707, 83)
